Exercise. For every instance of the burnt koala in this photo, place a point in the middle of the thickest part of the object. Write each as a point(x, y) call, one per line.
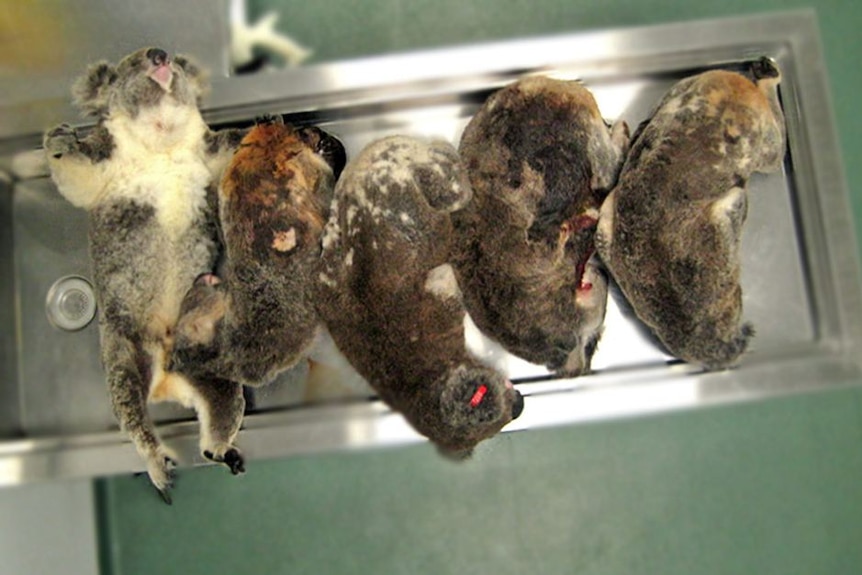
point(541, 160)
point(258, 318)
point(669, 232)
point(389, 296)
point(145, 173)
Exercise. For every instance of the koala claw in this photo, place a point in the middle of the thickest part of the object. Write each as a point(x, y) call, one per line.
point(166, 496)
point(268, 119)
point(162, 469)
point(61, 140)
point(232, 458)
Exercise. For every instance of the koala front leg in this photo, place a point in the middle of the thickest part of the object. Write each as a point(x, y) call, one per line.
point(220, 147)
point(77, 164)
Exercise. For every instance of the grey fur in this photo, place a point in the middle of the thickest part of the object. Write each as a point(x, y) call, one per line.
point(274, 203)
point(151, 234)
point(540, 160)
point(669, 232)
point(389, 297)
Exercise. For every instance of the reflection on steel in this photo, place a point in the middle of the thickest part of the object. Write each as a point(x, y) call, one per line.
point(800, 272)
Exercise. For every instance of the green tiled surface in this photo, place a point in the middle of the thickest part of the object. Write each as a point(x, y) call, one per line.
point(765, 488)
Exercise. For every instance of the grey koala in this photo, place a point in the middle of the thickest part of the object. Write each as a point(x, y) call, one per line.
point(145, 175)
point(274, 201)
point(540, 160)
point(669, 232)
point(389, 296)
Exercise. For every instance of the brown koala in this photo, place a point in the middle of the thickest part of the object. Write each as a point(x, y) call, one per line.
point(146, 173)
point(390, 299)
point(273, 204)
point(540, 160)
point(669, 232)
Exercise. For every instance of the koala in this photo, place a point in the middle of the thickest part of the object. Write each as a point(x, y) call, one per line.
point(669, 232)
point(390, 300)
point(258, 319)
point(145, 175)
point(541, 160)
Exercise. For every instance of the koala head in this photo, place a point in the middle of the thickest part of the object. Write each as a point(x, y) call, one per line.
point(140, 80)
point(475, 404)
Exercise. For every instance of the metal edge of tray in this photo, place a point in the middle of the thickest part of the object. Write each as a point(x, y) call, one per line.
point(832, 361)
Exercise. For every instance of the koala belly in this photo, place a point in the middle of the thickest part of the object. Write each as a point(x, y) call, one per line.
point(150, 239)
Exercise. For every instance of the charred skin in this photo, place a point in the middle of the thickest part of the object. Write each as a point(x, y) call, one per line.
point(669, 233)
point(390, 298)
point(540, 160)
point(146, 174)
point(274, 202)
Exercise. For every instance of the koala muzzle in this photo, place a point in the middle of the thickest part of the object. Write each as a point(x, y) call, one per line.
point(157, 56)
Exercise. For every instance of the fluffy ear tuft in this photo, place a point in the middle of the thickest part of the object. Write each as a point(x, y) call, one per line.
point(197, 77)
point(90, 91)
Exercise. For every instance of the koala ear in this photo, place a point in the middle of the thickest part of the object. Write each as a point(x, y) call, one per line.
point(197, 77)
point(90, 91)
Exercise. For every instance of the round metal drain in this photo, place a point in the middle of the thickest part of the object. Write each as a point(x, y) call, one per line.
point(71, 303)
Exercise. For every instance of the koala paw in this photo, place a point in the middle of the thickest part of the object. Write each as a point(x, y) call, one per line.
point(229, 455)
point(161, 466)
point(61, 140)
point(267, 119)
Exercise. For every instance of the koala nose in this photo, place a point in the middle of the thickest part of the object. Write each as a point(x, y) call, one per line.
point(157, 56)
point(517, 405)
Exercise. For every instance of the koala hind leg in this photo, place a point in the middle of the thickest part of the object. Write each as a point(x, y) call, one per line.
point(220, 408)
point(219, 405)
point(128, 373)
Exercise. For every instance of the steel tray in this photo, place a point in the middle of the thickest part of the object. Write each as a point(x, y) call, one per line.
point(800, 271)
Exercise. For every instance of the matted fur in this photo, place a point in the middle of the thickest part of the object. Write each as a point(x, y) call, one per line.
point(389, 297)
point(670, 231)
point(540, 160)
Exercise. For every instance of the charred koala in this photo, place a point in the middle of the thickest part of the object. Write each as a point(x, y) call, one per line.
point(669, 232)
point(389, 296)
point(540, 160)
point(145, 175)
point(258, 319)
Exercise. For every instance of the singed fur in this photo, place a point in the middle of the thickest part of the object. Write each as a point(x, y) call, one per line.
point(540, 160)
point(390, 299)
point(145, 174)
point(669, 232)
point(274, 202)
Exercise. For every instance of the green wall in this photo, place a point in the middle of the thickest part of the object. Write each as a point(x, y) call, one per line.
point(764, 488)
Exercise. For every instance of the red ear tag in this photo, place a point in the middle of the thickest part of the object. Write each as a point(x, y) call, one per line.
point(477, 397)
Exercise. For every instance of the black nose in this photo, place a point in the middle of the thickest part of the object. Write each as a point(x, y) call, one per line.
point(157, 56)
point(517, 405)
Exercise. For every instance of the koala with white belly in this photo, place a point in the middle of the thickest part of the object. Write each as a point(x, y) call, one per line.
point(669, 232)
point(145, 173)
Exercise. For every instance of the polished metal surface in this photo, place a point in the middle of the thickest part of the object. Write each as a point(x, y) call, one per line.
point(800, 273)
